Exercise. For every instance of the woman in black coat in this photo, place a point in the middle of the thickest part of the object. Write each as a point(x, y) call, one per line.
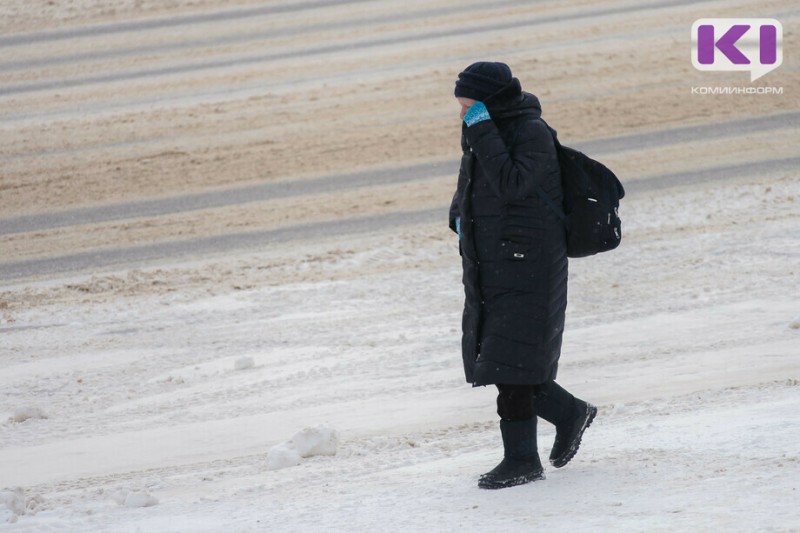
point(514, 257)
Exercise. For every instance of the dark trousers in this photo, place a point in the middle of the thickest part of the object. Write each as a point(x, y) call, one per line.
point(549, 401)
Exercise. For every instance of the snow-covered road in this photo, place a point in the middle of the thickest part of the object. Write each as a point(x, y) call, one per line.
point(686, 337)
point(774, 125)
point(216, 234)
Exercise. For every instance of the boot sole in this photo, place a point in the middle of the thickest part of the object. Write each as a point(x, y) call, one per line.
point(562, 461)
point(486, 482)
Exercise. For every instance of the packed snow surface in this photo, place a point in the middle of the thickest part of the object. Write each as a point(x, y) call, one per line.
point(355, 415)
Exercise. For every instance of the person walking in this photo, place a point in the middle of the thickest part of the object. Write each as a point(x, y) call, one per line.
point(514, 260)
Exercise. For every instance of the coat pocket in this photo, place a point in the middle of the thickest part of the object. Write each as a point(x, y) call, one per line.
point(519, 250)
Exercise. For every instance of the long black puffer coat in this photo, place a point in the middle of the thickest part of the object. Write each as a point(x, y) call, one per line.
point(513, 246)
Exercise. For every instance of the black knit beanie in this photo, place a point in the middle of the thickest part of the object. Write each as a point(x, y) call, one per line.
point(481, 80)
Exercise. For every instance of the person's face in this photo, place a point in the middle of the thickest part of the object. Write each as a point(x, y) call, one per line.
point(466, 103)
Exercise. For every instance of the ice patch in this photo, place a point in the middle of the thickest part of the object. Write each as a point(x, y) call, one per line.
point(29, 412)
point(306, 443)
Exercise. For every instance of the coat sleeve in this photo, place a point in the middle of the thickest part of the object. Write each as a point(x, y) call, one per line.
point(462, 184)
point(454, 211)
point(463, 176)
point(515, 170)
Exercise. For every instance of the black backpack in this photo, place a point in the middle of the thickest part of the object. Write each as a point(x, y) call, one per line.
point(591, 202)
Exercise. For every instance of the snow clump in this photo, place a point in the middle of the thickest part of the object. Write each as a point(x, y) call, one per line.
point(315, 441)
point(15, 504)
point(306, 443)
point(28, 412)
point(140, 499)
point(134, 498)
point(243, 363)
point(282, 456)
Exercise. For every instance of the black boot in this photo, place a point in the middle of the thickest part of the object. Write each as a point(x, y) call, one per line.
point(571, 417)
point(520, 462)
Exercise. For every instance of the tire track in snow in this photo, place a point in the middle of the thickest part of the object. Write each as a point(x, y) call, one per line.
point(219, 244)
point(349, 46)
point(415, 172)
point(225, 198)
point(360, 456)
point(229, 39)
point(95, 30)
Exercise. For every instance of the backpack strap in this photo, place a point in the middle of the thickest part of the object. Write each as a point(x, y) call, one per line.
point(551, 204)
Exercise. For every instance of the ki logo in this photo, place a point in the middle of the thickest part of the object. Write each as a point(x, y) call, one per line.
point(750, 44)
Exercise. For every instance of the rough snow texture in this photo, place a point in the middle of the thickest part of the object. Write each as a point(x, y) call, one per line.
point(305, 443)
point(15, 503)
point(686, 337)
point(683, 345)
point(21, 414)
